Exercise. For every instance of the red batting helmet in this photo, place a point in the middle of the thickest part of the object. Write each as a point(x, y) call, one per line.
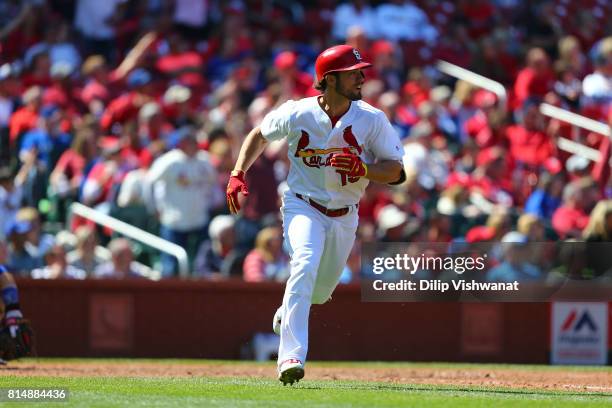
point(339, 58)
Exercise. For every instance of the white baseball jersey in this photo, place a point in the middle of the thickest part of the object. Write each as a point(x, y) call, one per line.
point(312, 141)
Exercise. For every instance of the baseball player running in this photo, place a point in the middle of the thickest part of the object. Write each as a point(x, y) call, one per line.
point(337, 144)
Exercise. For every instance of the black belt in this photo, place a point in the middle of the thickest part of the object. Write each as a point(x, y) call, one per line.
point(335, 212)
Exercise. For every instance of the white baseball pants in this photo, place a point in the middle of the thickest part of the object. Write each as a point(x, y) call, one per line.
point(319, 247)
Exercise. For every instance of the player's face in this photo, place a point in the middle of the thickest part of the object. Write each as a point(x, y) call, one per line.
point(349, 84)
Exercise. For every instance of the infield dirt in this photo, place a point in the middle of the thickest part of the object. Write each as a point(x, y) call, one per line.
point(573, 379)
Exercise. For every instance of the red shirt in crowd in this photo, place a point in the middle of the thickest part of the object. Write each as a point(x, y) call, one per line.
point(21, 121)
point(569, 221)
point(71, 164)
point(531, 147)
point(121, 109)
point(529, 84)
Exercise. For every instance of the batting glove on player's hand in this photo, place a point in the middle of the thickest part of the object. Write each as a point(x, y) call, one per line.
point(349, 164)
point(236, 184)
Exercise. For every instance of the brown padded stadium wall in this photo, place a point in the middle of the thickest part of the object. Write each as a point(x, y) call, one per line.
point(196, 319)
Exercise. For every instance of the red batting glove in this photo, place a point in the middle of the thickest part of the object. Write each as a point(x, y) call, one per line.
point(235, 184)
point(349, 164)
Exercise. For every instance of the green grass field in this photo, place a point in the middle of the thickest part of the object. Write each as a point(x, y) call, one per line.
point(203, 391)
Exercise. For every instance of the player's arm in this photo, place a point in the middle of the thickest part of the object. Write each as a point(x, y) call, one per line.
point(385, 172)
point(252, 147)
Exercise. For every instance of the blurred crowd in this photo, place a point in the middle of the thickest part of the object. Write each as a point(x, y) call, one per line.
point(137, 108)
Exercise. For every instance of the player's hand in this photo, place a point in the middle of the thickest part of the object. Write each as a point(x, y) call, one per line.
point(236, 184)
point(349, 163)
point(11, 320)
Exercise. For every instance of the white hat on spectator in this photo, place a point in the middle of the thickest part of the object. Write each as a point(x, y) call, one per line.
point(576, 163)
point(148, 110)
point(219, 224)
point(440, 93)
point(32, 93)
point(389, 99)
point(390, 217)
point(177, 94)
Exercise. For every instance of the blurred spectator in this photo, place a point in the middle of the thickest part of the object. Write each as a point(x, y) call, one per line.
point(26, 118)
point(267, 261)
point(531, 227)
point(95, 93)
point(490, 183)
point(69, 172)
point(21, 261)
point(97, 21)
point(101, 184)
point(182, 189)
point(215, 255)
point(295, 84)
point(493, 61)
point(392, 224)
point(191, 16)
point(131, 192)
point(420, 158)
point(37, 241)
point(388, 103)
point(529, 144)
point(515, 265)
point(573, 215)
point(546, 198)
point(56, 266)
point(179, 107)
point(599, 228)
point(180, 60)
point(536, 79)
point(84, 256)
point(597, 87)
point(56, 43)
point(485, 127)
point(539, 254)
point(122, 265)
point(357, 13)
point(577, 167)
point(404, 20)
point(38, 70)
point(386, 65)
point(571, 56)
point(11, 193)
point(567, 85)
point(127, 106)
point(47, 142)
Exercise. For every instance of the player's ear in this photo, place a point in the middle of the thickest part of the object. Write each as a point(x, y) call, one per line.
point(331, 79)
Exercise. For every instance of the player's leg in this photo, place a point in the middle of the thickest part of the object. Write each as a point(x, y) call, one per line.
point(304, 233)
point(339, 242)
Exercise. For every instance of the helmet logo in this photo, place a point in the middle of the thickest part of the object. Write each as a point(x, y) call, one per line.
point(357, 55)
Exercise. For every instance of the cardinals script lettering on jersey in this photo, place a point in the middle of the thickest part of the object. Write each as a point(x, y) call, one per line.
point(318, 158)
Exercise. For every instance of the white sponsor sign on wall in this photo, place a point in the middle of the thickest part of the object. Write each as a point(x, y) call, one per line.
point(579, 333)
